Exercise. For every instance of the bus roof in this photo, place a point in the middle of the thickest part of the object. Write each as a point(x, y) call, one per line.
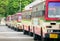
point(33, 4)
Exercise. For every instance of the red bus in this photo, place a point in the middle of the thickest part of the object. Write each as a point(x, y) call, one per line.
point(48, 25)
point(17, 21)
point(19, 17)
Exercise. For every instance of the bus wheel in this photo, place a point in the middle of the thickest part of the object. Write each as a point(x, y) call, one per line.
point(35, 37)
point(30, 33)
point(6, 24)
point(24, 32)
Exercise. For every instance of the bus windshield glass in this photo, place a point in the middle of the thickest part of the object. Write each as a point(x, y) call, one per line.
point(54, 10)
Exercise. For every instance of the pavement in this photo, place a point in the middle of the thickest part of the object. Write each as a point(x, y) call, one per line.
point(7, 34)
point(5, 29)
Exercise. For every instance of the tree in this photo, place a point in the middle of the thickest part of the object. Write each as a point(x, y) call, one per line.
point(25, 3)
point(10, 7)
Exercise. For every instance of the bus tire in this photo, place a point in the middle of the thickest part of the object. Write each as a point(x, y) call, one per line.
point(6, 24)
point(35, 37)
point(24, 32)
point(30, 33)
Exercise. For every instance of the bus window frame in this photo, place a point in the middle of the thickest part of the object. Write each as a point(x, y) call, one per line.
point(46, 10)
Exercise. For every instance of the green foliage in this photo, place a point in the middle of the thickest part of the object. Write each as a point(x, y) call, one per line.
point(9, 7)
point(25, 3)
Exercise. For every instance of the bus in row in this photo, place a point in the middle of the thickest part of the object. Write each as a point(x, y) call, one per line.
point(43, 22)
point(14, 21)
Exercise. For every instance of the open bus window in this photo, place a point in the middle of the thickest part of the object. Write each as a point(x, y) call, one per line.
point(35, 21)
point(28, 16)
point(43, 12)
point(54, 10)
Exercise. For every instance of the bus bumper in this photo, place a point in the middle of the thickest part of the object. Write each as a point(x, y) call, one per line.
point(52, 35)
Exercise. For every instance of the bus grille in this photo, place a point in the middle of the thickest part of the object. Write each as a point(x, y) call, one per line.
point(56, 30)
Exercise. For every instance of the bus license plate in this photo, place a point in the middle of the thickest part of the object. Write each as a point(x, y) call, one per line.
point(53, 36)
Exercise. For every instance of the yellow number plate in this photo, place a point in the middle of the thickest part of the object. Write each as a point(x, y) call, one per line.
point(53, 36)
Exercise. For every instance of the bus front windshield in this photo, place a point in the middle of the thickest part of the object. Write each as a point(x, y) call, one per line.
point(54, 10)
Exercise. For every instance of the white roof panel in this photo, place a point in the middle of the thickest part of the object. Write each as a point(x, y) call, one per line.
point(33, 4)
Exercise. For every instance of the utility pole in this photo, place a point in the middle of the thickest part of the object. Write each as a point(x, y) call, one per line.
point(20, 6)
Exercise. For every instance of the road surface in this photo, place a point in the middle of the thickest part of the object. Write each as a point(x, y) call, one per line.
point(7, 34)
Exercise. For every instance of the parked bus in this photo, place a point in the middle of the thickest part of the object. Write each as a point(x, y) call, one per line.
point(12, 21)
point(8, 20)
point(26, 21)
point(18, 20)
point(47, 25)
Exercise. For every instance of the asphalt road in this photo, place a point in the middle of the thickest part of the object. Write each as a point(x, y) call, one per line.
point(5, 29)
point(7, 34)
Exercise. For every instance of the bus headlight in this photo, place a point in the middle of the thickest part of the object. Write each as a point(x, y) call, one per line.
point(49, 31)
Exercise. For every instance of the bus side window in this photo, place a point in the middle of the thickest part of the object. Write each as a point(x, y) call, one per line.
point(43, 12)
point(36, 21)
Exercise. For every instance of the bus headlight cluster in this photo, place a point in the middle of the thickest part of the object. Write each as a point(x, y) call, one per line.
point(49, 31)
